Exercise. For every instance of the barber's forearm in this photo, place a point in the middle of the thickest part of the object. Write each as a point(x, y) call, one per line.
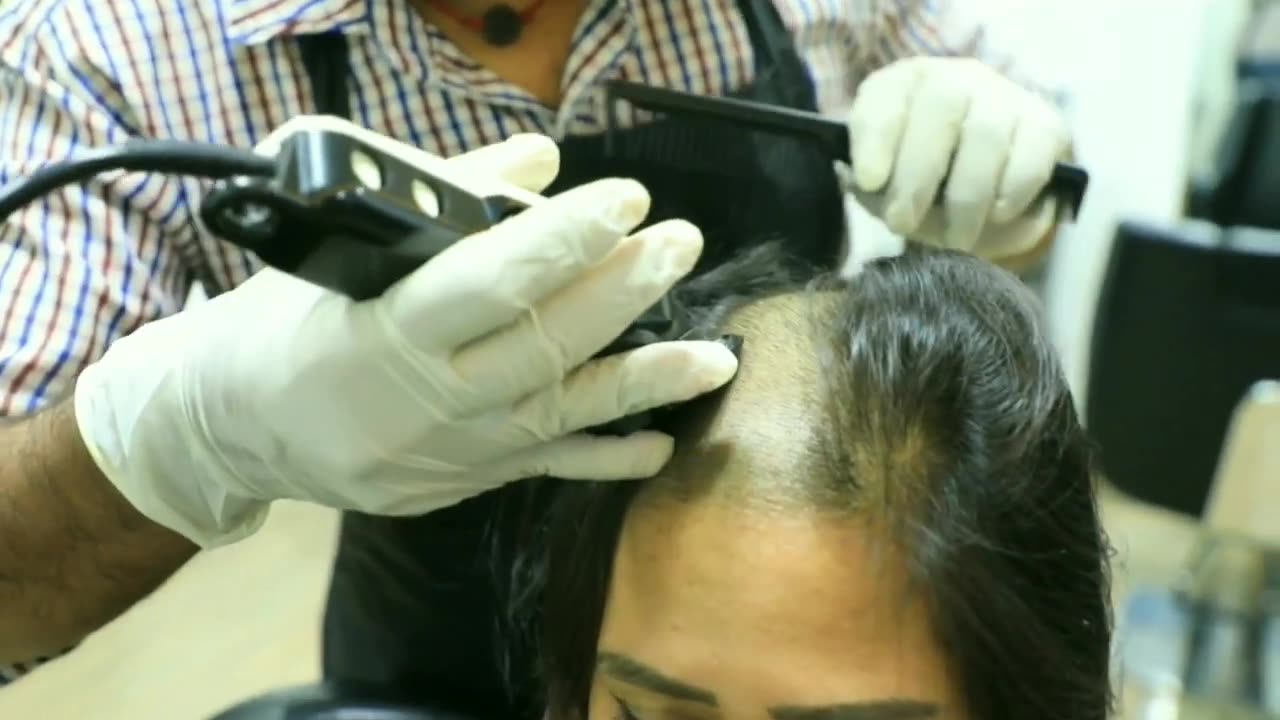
point(74, 554)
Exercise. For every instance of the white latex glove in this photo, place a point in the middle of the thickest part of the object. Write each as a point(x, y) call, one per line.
point(923, 122)
point(466, 375)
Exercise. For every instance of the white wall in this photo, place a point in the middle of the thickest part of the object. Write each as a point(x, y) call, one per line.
point(1130, 67)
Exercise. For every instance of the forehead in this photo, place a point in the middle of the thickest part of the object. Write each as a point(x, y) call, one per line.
point(768, 609)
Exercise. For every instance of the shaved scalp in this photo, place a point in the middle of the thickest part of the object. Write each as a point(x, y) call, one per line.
point(841, 406)
point(758, 440)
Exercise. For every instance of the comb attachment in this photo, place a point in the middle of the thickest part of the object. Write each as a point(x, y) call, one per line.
point(664, 322)
point(661, 418)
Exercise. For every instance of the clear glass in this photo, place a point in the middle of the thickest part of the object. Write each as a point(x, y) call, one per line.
point(1207, 646)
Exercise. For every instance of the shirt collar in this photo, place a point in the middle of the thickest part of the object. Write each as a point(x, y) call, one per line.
point(253, 22)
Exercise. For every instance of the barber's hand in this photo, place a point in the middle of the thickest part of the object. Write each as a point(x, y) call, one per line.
point(466, 375)
point(953, 128)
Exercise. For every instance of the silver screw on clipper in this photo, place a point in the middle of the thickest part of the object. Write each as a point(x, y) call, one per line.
point(252, 219)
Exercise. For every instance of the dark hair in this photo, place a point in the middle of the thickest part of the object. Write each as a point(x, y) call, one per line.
point(995, 512)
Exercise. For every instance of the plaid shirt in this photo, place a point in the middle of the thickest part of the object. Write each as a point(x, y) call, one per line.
point(89, 264)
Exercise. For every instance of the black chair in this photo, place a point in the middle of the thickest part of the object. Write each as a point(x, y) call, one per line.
point(327, 702)
point(1188, 319)
point(1239, 188)
point(1242, 187)
point(1258, 54)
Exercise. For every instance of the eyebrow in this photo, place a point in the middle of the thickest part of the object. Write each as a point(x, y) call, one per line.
point(634, 672)
point(876, 710)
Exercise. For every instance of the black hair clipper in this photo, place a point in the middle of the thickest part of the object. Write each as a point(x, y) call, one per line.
point(355, 212)
point(350, 210)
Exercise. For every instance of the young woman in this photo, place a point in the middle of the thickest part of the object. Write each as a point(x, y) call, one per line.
point(888, 514)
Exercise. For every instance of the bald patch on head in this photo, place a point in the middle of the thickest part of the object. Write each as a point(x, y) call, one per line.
point(778, 384)
point(760, 438)
point(774, 439)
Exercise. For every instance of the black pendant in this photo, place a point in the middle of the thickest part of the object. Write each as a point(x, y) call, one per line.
point(502, 25)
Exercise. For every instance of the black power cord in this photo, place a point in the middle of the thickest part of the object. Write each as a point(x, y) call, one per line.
point(170, 157)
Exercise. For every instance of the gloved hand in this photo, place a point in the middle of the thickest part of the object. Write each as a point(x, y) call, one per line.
point(924, 122)
point(466, 375)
